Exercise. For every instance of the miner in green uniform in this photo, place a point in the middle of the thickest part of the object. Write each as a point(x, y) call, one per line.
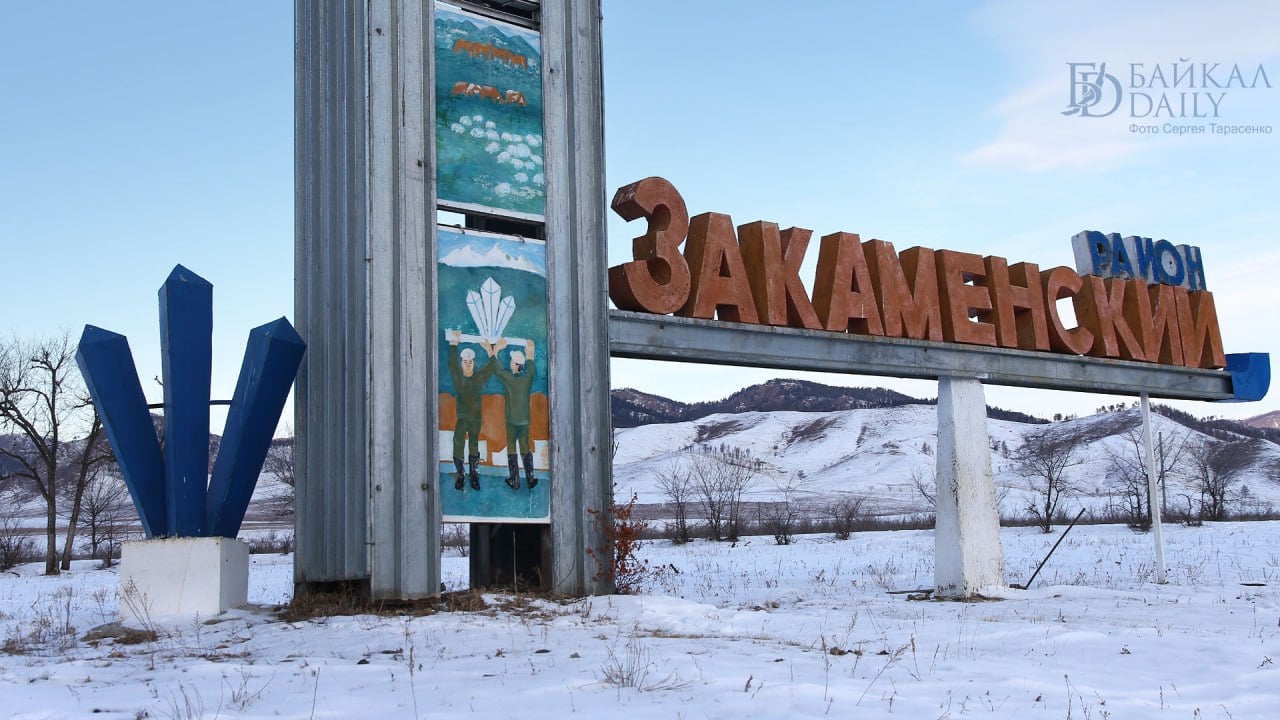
point(468, 387)
point(517, 386)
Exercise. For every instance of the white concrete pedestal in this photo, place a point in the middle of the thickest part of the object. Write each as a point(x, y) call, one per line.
point(968, 556)
point(182, 577)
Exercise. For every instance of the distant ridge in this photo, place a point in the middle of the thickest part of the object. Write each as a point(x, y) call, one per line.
point(1258, 428)
point(1269, 420)
point(632, 408)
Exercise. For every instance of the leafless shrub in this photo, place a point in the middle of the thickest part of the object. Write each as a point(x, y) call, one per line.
point(186, 704)
point(273, 543)
point(924, 480)
point(456, 537)
point(279, 464)
point(107, 512)
point(15, 546)
point(720, 479)
point(1216, 469)
point(782, 519)
point(845, 515)
point(1046, 458)
point(633, 668)
point(676, 485)
point(1188, 511)
point(1127, 474)
point(50, 631)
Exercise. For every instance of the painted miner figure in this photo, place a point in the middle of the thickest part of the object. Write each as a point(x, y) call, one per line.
point(517, 386)
point(468, 387)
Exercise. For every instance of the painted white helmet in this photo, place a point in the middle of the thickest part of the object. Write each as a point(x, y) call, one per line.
point(467, 354)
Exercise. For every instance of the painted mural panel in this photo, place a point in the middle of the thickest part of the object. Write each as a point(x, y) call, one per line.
point(494, 422)
point(488, 115)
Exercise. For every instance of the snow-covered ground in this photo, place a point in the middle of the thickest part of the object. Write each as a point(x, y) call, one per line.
point(722, 631)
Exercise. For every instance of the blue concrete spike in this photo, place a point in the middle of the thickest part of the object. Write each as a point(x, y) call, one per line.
point(186, 347)
point(107, 366)
point(271, 360)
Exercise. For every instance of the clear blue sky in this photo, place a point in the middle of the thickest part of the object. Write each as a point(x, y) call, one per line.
point(144, 134)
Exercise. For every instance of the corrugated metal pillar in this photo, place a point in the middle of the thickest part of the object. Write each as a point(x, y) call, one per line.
point(405, 514)
point(330, 170)
point(581, 435)
point(367, 510)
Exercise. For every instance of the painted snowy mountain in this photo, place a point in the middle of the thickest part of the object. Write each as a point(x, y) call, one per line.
point(494, 256)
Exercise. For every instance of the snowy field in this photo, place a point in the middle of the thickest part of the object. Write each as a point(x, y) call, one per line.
point(872, 454)
point(746, 630)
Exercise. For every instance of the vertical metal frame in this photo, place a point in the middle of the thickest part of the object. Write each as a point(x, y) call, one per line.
point(364, 294)
point(330, 291)
point(581, 433)
point(404, 516)
point(365, 300)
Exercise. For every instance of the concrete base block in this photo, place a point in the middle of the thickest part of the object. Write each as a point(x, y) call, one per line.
point(181, 577)
point(968, 556)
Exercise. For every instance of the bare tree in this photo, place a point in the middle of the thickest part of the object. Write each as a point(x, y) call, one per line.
point(279, 461)
point(1046, 459)
point(925, 481)
point(107, 514)
point(720, 479)
point(1127, 473)
point(677, 487)
point(43, 401)
point(279, 464)
point(1217, 468)
point(86, 467)
point(781, 518)
point(845, 514)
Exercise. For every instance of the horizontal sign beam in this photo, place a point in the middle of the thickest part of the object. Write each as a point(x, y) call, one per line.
point(681, 339)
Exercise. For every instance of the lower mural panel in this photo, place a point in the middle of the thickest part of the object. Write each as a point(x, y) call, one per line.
point(494, 412)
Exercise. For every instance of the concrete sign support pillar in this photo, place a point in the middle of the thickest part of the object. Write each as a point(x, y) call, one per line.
point(968, 556)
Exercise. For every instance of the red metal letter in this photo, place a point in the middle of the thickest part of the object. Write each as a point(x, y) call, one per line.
point(657, 281)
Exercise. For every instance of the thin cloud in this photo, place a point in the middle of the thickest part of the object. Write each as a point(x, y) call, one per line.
point(1039, 41)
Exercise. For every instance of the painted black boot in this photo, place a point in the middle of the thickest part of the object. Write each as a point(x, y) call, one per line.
point(461, 477)
point(513, 472)
point(529, 479)
point(474, 474)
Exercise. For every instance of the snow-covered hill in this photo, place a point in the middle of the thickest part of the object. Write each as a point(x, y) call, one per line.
point(884, 454)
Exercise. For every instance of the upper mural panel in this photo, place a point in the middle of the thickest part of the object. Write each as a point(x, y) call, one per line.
point(488, 116)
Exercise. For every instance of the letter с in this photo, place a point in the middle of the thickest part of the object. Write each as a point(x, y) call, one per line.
point(1060, 283)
